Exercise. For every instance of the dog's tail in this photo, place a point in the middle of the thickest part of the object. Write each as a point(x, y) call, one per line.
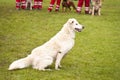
point(21, 63)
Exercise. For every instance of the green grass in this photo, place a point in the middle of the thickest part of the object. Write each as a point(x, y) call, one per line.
point(95, 56)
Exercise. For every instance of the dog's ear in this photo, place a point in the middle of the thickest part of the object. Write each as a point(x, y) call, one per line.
point(71, 21)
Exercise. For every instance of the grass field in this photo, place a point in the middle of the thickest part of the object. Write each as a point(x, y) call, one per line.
point(95, 56)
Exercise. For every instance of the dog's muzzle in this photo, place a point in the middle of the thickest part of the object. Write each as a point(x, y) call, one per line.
point(79, 30)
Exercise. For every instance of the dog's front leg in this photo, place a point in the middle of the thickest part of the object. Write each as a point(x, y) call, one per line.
point(62, 8)
point(58, 60)
point(93, 11)
point(30, 5)
point(26, 5)
point(99, 12)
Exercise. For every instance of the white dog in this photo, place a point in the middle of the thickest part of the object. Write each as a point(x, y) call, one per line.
point(29, 4)
point(54, 49)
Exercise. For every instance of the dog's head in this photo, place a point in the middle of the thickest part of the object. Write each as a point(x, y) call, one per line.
point(97, 3)
point(74, 25)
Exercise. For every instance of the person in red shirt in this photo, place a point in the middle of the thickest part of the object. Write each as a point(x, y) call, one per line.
point(52, 4)
point(80, 4)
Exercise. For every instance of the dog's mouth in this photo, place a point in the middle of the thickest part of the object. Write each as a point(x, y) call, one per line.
point(78, 30)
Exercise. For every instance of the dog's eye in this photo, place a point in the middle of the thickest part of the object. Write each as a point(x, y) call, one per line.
point(76, 24)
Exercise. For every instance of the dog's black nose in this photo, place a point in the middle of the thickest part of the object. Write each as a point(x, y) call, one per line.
point(83, 27)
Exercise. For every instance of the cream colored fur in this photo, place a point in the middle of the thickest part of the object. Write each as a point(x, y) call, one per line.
point(54, 49)
point(96, 7)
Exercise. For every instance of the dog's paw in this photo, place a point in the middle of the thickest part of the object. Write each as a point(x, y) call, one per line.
point(57, 69)
point(60, 66)
point(48, 70)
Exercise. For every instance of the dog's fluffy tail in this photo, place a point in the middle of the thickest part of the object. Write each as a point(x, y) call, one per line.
point(21, 63)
